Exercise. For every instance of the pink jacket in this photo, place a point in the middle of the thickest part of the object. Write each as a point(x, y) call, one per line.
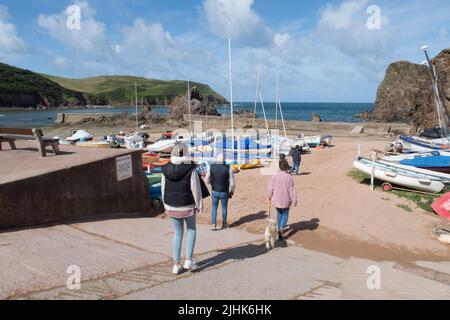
point(282, 190)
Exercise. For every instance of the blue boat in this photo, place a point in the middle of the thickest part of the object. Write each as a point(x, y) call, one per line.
point(434, 163)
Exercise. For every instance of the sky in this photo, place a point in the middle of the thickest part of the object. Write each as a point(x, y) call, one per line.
point(323, 51)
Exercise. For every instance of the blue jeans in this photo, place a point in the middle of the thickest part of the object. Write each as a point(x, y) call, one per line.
point(296, 167)
point(282, 218)
point(178, 225)
point(224, 197)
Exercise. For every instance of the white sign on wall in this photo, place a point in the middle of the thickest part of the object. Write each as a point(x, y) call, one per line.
point(124, 168)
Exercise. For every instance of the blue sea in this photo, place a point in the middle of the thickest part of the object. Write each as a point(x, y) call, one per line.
point(329, 112)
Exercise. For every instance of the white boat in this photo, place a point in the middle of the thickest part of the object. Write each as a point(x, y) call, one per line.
point(162, 146)
point(326, 140)
point(80, 135)
point(421, 145)
point(134, 142)
point(398, 176)
point(312, 141)
point(444, 177)
point(282, 145)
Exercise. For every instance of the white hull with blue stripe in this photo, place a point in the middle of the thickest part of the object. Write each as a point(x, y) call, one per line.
point(399, 176)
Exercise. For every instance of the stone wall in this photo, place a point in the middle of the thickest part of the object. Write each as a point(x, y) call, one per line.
point(91, 190)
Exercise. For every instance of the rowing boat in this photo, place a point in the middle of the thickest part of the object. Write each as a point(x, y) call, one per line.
point(399, 176)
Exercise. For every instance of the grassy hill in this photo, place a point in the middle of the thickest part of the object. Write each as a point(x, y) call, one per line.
point(119, 90)
point(23, 88)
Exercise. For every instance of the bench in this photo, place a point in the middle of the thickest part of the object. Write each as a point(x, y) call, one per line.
point(10, 135)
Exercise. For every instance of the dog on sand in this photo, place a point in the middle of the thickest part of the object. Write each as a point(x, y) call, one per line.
point(270, 234)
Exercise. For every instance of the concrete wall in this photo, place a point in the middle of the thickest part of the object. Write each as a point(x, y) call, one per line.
point(300, 126)
point(85, 191)
point(77, 117)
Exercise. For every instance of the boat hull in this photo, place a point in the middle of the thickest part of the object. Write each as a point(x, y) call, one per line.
point(421, 145)
point(444, 177)
point(398, 177)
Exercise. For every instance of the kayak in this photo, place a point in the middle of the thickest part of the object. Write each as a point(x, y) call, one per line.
point(150, 158)
point(155, 165)
point(246, 166)
point(154, 178)
point(155, 191)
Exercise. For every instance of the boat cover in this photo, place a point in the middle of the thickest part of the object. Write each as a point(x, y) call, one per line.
point(428, 162)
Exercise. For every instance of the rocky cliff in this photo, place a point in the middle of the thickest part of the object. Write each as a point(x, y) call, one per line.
point(405, 95)
point(200, 105)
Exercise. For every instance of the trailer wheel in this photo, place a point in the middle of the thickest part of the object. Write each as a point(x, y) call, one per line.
point(386, 187)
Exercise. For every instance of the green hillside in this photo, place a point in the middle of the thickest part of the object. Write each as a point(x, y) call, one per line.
point(23, 88)
point(119, 90)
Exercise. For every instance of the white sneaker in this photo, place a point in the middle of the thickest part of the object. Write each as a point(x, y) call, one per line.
point(177, 269)
point(190, 265)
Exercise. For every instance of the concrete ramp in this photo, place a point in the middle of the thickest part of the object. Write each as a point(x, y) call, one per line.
point(357, 130)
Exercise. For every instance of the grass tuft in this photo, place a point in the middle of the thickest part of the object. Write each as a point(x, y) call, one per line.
point(423, 201)
point(405, 207)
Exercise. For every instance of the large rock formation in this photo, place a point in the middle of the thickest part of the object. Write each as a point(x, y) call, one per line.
point(200, 105)
point(405, 95)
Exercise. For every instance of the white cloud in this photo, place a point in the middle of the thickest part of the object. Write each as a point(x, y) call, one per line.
point(341, 18)
point(281, 39)
point(91, 38)
point(10, 42)
point(142, 36)
point(345, 28)
point(238, 20)
point(60, 61)
point(147, 47)
point(443, 33)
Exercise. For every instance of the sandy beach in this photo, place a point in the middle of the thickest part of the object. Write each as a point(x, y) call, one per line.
point(336, 214)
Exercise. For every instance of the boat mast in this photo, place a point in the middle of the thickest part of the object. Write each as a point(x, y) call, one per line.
point(276, 104)
point(231, 92)
point(256, 97)
point(136, 100)
point(264, 112)
point(282, 119)
point(437, 98)
point(281, 109)
point(189, 106)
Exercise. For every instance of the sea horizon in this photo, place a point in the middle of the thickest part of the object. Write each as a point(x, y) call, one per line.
point(297, 111)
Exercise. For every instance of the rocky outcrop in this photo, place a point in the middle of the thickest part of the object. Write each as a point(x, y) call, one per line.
point(316, 118)
point(200, 105)
point(405, 95)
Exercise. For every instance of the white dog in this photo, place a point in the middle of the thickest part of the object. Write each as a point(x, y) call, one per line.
point(270, 234)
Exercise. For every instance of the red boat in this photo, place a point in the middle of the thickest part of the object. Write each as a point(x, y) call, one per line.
point(442, 206)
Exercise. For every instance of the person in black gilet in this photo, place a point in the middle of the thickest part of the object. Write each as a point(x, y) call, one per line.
point(221, 178)
point(182, 192)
